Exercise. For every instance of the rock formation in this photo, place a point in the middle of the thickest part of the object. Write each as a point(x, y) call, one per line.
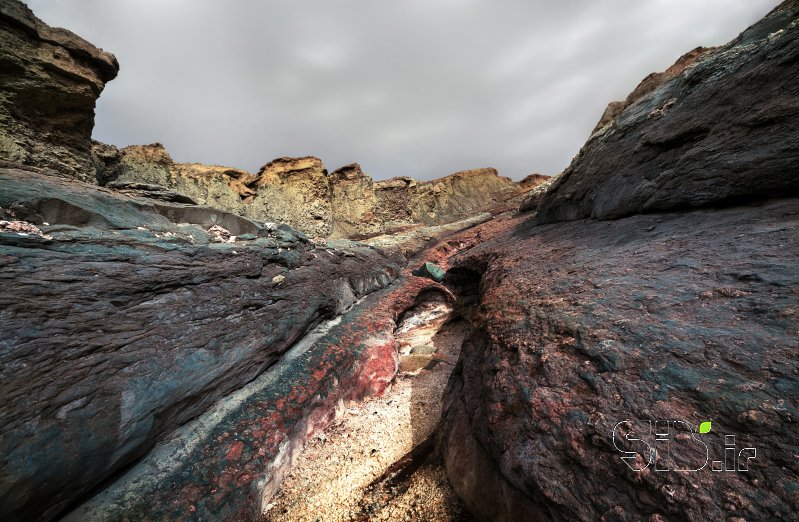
point(125, 321)
point(721, 129)
point(593, 337)
point(170, 334)
point(344, 204)
point(49, 84)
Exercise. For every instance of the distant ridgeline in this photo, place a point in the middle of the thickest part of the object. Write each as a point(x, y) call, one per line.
point(299, 191)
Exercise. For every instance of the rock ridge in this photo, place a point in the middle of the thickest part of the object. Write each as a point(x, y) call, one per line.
point(719, 127)
point(346, 203)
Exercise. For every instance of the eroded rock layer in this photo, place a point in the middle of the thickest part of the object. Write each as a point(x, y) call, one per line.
point(50, 80)
point(299, 191)
point(125, 319)
point(665, 317)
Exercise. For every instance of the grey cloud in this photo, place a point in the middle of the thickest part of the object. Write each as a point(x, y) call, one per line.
point(421, 88)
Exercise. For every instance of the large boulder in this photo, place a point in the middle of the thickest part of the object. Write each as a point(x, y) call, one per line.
point(125, 319)
point(721, 126)
point(50, 82)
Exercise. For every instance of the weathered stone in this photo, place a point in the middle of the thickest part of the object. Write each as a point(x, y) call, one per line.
point(229, 463)
point(49, 84)
point(298, 191)
point(722, 130)
point(150, 191)
point(580, 326)
point(125, 324)
point(533, 198)
point(650, 83)
point(585, 328)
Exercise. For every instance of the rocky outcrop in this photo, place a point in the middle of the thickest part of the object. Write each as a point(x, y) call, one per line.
point(650, 83)
point(722, 129)
point(683, 317)
point(229, 463)
point(294, 191)
point(644, 368)
point(123, 320)
point(220, 187)
point(51, 80)
point(49, 84)
point(347, 203)
point(533, 197)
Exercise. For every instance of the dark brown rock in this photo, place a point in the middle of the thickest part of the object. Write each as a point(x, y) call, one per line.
point(49, 84)
point(723, 129)
point(588, 331)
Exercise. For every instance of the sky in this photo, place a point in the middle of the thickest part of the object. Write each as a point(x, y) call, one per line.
point(420, 88)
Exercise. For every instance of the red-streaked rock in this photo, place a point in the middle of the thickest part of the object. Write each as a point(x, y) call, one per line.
point(581, 325)
point(124, 322)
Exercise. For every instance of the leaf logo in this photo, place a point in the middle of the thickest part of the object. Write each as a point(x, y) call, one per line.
point(704, 427)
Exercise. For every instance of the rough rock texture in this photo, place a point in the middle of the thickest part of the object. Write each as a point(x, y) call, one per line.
point(294, 191)
point(220, 187)
point(411, 242)
point(123, 323)
point(724, 128)
point(230, 462)
point(650, 83)
point(680, 317)
point(344, 204)
point(533, 197)
point(50, 80)
point(588, 331)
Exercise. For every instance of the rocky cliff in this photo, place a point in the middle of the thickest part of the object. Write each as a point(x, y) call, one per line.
point(49, 84)
point(720, 126)
point(346, 203)
point(645, 368)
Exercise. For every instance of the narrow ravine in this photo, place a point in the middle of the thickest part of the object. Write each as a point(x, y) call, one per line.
point(376, 460)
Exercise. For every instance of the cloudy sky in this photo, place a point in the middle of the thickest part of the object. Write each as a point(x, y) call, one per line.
point(412, 87)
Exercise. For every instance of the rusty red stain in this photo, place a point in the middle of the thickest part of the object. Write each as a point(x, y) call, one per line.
point(235, 450)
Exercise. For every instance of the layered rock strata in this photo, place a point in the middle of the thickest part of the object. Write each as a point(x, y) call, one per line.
point(299, 191)
point(124, 320)
point(49, 84)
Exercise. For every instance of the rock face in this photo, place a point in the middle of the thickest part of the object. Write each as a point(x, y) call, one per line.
point(229, 463)
point(601, 347)
point(49, 84)
point(650, 83)
point(124, 321)
point(682, 317)
point(299, 191)
point(722, 129)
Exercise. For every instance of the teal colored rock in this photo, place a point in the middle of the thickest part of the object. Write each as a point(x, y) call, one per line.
point(431, 271)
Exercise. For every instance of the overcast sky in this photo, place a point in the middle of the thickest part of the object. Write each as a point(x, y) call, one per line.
point(413, 87)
